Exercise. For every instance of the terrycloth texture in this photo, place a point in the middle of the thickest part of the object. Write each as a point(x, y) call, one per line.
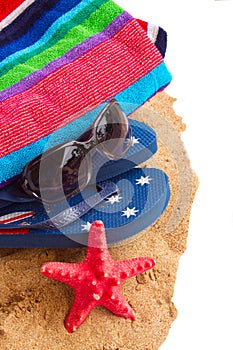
point(73, 58)
point(32, 13)
point(14, 14)
point(6, 7)
point(53, 58)
point(60, 27)
point(50, 45)
point(156, 34)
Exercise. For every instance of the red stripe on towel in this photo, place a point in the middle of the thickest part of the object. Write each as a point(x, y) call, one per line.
point(8, 6)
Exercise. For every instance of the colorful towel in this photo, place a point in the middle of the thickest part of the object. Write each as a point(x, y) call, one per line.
point(59, 60)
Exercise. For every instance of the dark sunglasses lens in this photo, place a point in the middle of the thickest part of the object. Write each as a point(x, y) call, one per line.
point(58, 174)
point(113, 132)
point(76, 171)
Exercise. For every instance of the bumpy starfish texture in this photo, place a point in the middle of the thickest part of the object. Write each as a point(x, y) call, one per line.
point(97, 279)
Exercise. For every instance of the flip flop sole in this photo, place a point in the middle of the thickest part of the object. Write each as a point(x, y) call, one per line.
point(142, 197)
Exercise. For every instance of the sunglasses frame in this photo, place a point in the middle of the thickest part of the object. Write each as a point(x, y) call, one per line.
point(92, 141)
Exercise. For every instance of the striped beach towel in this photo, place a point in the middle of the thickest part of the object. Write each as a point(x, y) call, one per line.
point(60, 60)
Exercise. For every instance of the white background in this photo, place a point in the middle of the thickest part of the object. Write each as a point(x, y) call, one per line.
point(200, 58)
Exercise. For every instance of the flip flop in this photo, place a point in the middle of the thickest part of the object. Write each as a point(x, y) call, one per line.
point(144, 146)
point(137, 200)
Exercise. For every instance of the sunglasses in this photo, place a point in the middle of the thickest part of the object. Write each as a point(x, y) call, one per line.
point(64, 170)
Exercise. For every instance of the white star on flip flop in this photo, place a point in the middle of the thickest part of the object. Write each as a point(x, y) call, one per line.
point(114, 199)
point(129, 212)
point(135, 141)
point(86, 227)
point(143, 181)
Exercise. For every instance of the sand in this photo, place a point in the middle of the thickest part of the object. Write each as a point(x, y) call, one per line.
point(33, 308)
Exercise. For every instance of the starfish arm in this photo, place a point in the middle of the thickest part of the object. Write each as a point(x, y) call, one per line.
point(63, 272)
point(78, 313)
point(97, 237)
point(118, 306)
point(97, 279)
point(133, 267)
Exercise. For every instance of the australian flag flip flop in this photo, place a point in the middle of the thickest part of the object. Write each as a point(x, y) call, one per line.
point(135, 200)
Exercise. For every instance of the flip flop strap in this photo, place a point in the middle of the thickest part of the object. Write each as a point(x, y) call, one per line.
point(73, 213)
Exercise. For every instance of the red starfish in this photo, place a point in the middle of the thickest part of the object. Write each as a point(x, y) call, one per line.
point(97, 279)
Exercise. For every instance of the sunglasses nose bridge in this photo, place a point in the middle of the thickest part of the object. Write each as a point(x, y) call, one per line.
point(90, 144)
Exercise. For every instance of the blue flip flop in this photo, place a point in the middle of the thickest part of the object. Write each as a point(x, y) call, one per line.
point(144, 146)
point(127, 204)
